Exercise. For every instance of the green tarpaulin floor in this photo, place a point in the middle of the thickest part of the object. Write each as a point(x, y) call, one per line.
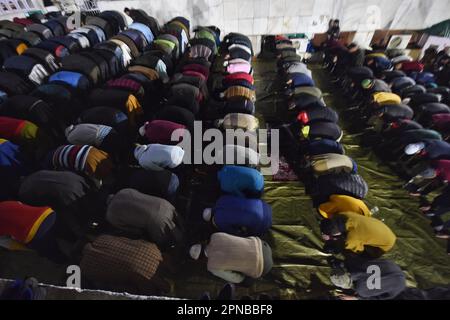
point(300, 270)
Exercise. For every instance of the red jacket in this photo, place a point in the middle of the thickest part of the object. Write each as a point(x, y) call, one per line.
point(197, 68)
point(239, 76)
point(21, 221)
point(10, 128)
point(160, 131)
point(413, 66)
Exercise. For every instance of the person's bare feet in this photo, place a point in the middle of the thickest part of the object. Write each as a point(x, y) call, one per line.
point(195, 251)
point(207, 214)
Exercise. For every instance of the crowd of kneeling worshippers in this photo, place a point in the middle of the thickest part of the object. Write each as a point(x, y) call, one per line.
point(401, 107)
point(89, 165)
point(90, 170)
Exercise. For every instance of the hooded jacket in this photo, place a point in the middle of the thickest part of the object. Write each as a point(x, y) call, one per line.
point(129, 85)
point(130, 44)
point(321, 130)
point(341, 203)
point(74, 79)
point(231, 253)
point(160, 131)
point(161, 183)
point(394, 112)
point(364, 231)
point(238, 67)
point(145, 30)
point(143, 215)
point(87, 134)
point(412, 91)
point(301, 80)
point(352, 185)
point(200, 51)
point(399, 84)
point(323, 146)
point(122, 264)
point(383, 98)
point(57, 189)
point(392, 280)
point(158, 156)
point(21, 132)
point(317, 114)
point(21, 222)
point(332, 163)
point(137, 37)
point(241, 181)
point(242, 217)
point(84, 159)
point(12, 166)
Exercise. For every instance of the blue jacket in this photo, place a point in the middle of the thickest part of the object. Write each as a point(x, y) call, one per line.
point(382, 64)
point(242, 217)
point(401, 83)
point(10, 155)
point(241, 181)
point(74, 79)
point(146, 31)
point(12, 167)
point(302, 80)
point(423, 78)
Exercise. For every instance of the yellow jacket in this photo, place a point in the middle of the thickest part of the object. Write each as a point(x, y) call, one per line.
point(376, 55)
point(383, 98)
point(366, 231)
point(340, 203)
